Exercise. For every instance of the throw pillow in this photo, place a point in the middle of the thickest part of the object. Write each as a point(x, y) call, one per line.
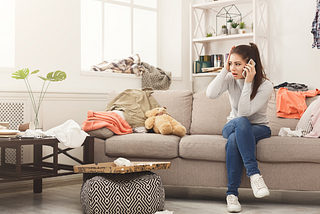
point(102, 133)
point(305, 121)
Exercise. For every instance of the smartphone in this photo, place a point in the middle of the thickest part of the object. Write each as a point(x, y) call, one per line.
point(244, 73)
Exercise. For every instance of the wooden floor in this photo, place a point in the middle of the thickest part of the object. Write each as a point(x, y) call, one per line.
point(64, 197)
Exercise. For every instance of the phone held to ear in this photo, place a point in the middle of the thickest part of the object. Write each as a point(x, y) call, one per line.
point(244, 73)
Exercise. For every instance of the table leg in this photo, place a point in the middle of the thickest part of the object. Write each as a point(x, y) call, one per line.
point(18, 161)
point(37, 161)
point(88, 152)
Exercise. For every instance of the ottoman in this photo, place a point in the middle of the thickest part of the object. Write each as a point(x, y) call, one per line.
point(136, 193)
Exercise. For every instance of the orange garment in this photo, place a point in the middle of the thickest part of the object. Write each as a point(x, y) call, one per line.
point(292, 104)
point(107, 119)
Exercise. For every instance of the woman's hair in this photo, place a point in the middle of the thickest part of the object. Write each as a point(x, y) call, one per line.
point(248, 52)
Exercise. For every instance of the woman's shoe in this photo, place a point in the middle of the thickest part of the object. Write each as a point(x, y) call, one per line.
point(233, 205)
point(258, 186)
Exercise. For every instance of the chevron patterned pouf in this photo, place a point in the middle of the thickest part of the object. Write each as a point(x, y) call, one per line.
point(132, 193)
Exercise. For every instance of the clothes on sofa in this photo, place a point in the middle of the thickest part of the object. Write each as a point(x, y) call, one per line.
point(255, 110)
point(108, 119)
point(292, 86)
point(292, 104)
point(134, 103)
point(155, 78)
point(315, 120)
point(315, 30)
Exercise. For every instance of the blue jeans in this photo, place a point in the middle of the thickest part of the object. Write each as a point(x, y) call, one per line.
point(240, 148)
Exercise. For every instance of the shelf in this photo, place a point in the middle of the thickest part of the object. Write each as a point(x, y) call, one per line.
point(222, 3)
point(225, 37)
point(206, 74)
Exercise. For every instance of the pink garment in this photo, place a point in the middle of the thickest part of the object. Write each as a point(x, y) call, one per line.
point(315, 120)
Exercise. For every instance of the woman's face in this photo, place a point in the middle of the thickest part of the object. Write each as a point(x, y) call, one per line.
point(236, 66)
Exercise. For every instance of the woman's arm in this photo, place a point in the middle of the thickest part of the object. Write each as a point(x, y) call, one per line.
point(247, 107)
point(218, 85)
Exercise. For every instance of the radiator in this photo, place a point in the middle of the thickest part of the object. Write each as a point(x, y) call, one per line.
point(14, 113)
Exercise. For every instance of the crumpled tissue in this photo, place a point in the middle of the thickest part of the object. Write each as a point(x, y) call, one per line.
point(164, 212)
point(122, 162)
point(287, 132)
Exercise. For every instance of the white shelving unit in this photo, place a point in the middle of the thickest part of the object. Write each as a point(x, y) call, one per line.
point(200, 12)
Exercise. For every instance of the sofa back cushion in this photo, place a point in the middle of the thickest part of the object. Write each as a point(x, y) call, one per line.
point(209, 115)
point(276, 123)
point(177, 102)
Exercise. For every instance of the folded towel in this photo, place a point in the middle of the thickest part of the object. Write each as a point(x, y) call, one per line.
point(107, 119)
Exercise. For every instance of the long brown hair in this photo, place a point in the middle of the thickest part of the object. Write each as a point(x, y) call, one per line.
point(248, 52)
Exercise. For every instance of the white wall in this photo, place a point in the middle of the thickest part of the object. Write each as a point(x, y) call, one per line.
point(48, 38)
point(292, 57)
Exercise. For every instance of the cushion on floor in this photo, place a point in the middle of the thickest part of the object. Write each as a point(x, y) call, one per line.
point(132, 193)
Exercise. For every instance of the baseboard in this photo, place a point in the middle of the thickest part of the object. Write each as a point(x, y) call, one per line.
point(19, 186)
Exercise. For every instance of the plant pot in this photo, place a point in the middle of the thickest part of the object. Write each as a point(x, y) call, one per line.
point(223, 31)
point(234, 30)
point(242, 31)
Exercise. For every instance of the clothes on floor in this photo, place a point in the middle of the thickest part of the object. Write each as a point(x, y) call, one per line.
point(134, 103)
point(315, 30)
point(292, 104)
point(107, 119)
point(155, 78)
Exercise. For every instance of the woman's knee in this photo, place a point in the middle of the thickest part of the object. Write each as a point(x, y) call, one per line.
point(232, 142)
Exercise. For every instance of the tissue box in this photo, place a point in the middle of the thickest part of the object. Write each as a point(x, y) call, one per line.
point(111, 167)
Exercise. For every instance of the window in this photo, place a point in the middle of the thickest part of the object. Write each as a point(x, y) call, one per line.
point(115, 29)
point(7, 34)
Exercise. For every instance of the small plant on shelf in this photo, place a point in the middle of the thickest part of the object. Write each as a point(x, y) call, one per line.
point(242, 25)
point(234, 29)
point(234, 24)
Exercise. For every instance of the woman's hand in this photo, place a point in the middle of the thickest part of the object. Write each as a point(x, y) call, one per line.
point(226, 65)
point(250, 72)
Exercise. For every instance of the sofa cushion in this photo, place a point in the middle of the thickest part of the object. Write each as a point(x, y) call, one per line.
point(209, 115)
point(178, 103)
point(203, 147)
point(276, 123)
point(142, 145)
point(288, 149)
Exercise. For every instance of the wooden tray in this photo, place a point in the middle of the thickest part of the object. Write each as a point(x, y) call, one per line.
point(111, 167)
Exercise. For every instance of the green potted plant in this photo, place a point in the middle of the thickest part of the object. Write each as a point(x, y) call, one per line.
point(51, 77)
point(234, 26)
point(242, 27)
point(224, 29)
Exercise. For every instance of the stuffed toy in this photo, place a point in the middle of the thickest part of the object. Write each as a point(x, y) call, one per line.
point(163, 123)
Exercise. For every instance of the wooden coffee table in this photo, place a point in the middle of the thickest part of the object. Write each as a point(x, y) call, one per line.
point(39, 168)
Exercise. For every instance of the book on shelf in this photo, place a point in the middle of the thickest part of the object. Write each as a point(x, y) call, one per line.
point(198, 65)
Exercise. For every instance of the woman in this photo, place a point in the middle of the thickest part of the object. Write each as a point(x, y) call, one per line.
point(247, 122)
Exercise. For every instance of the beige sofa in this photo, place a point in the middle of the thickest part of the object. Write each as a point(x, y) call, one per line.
point(198, 159)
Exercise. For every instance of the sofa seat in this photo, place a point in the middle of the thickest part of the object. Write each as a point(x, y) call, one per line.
point(203, 147)
point(288, 149)
point(143, 145)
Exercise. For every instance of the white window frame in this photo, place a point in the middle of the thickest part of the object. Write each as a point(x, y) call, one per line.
point(13, 68)
point(132, 6)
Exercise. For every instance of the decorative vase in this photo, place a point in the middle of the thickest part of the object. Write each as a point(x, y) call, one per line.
point(229, 27)
point(234, 30)
point(242, 31)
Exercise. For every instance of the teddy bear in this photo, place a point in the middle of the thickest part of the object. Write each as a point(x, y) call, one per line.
point(163, 123)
